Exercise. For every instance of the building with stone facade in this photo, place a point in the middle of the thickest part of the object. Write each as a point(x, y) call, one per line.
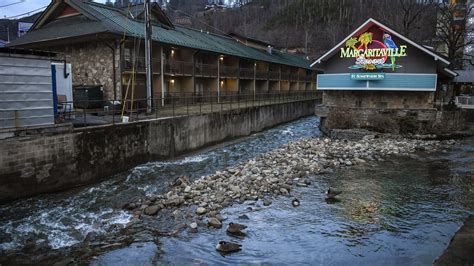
point(105, 46)
point(376, 77)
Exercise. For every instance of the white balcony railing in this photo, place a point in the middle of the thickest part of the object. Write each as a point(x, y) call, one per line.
point(465, 101)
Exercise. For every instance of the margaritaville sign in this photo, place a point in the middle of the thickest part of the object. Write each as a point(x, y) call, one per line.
point(373, 54)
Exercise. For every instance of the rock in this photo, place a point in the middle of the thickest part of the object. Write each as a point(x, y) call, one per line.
point(152, 210)
point(91, 237)
point(201, 211)
point(348, 163)
point(30, 244)
point(187, 189)
point(130, 206)
point(255, 170)
point(220, 217)
point(283, 191)
point(267, 202)
point(214, 222)
point(235, 189)
point(244, 217)
point(65, 262)
point(193, 228)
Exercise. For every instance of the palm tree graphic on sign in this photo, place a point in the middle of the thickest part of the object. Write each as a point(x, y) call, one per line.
point(365, 39)
point(351, 43)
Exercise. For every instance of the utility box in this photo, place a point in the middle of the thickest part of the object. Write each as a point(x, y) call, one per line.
point(26, 96)
point(89, 96)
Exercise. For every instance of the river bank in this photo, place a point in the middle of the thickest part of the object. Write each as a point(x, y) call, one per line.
point(461, 248)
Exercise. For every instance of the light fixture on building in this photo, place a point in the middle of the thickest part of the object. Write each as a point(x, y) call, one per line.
point(221, 58)
point(172, 52)
point(172, 81)
point(222, 83)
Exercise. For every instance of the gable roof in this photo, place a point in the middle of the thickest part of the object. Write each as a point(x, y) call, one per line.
point(252, 40)
point(99, 18)
point(465, 76)
point(364, 27)
point(137, 10)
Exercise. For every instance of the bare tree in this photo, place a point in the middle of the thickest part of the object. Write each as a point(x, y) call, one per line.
point(452, 29)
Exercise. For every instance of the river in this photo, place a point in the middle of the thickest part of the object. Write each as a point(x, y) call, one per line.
point(399, 211)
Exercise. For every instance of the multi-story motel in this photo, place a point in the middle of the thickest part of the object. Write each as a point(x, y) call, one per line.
point(105, 47)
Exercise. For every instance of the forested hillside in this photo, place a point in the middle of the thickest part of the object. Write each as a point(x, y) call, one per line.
point(309, 26)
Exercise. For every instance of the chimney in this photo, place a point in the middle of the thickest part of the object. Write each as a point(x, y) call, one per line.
point(269, 49)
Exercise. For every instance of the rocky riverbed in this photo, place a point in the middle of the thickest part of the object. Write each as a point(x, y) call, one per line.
point(270, 174)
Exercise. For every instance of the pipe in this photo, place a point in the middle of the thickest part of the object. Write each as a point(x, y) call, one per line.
point(114, 80)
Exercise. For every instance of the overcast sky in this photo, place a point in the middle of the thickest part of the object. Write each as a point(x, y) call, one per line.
point(22, 6)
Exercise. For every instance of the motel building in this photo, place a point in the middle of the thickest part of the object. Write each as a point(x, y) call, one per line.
point(380, 80)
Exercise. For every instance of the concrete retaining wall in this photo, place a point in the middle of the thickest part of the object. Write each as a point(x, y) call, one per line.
point(49, 161)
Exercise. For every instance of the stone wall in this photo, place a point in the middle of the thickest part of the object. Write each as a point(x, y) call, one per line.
point(379, 99)
point(395, 121)
point(56, 160)
point(92, 65)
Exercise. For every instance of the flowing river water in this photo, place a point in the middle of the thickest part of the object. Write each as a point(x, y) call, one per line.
point(403, 210)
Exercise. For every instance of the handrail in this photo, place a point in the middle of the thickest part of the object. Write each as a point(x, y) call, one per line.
point(93, 112)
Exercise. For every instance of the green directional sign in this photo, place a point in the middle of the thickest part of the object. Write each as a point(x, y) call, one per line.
point(367, 76)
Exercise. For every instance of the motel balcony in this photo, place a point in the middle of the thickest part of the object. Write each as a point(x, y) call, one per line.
point(285, 75)
point(294, 77)
point(139, 66)
point(310, 78)
point(274, 75)
point(205, 70)
point(229, 71)
point(246, 73)
point(261, 74)
point(180, 68)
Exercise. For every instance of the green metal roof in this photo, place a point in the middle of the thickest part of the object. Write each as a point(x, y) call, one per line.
point(115, 20)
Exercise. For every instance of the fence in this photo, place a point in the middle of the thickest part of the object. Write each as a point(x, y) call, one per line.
point(465, 101)
point(87, 113)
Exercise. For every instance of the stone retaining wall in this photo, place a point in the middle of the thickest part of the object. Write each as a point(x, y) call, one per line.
point(93, 64)
point(52, 161)
point(395, 121)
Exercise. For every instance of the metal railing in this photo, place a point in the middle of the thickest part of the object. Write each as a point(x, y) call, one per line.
point(127, 64)
point(207, 70)
point(247, 73)
point(229, 71)
point(261, 74)
point(172, 104)
point(294, 76)
point(274, 75)
point(285, 75)
point(178, 67)
point(465, 101)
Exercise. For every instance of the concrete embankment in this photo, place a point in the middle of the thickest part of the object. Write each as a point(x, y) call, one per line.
point(461, 248)
point(49, 160)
